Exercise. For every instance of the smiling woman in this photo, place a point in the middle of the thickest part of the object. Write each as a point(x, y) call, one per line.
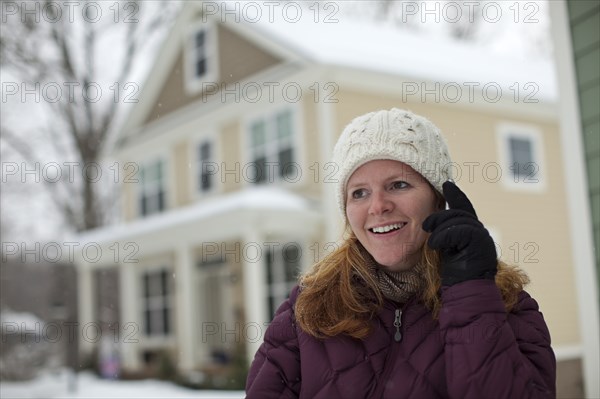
point(414, 303)
point(386, 206)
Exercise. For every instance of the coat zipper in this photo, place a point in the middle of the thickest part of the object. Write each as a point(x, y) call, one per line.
point(397, 324)
point(391, 356)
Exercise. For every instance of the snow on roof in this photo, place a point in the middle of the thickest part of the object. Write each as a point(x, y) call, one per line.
point(388, 49)
point(254, 198)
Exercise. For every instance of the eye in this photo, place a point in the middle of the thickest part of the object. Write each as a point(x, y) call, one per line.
point(398, 185)
point(359, 193)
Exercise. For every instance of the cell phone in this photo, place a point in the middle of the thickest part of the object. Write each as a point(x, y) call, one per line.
point(448, 206)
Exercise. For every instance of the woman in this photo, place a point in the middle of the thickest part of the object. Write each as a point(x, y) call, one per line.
point(414, 303)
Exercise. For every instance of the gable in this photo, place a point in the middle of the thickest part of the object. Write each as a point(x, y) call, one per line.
point(238, 59)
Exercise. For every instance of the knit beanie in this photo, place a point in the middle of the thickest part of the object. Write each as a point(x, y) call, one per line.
point(396, 135)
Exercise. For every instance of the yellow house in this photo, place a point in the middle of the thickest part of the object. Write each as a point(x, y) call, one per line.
point(227, 184)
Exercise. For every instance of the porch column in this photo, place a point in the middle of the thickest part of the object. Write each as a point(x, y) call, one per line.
point(86, 308)
point(131, 327)
point(185, 320)
point(254, 274)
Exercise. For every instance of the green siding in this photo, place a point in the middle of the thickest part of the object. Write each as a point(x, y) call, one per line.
point(592, 138)
point(590, 103)
point(584, 17)
point(596, 208)
point(578, 9)
point(585, 33)
point(594, 174)
point(587, 67)
point(597, 240)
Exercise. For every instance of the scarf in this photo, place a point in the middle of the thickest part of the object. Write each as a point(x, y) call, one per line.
point(397, 286)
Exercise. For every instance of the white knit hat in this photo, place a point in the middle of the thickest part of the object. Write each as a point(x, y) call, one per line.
point(397, 135)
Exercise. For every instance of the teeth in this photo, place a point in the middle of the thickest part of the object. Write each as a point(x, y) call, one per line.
point(385, 229)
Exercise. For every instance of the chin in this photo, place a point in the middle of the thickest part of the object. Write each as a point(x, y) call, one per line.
point(398, 264)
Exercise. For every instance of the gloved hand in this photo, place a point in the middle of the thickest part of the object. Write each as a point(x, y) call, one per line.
point(467, 249)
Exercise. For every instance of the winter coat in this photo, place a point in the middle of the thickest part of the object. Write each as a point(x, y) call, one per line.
point(474, 350)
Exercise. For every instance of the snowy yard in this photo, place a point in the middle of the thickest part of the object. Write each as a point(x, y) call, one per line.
point(89, 386)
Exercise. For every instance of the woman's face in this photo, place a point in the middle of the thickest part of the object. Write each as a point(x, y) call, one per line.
point(386, 204)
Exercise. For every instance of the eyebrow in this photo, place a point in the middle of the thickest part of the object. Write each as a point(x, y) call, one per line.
point(402, 176)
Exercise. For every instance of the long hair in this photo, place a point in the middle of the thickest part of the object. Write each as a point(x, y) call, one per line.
point(340, 296)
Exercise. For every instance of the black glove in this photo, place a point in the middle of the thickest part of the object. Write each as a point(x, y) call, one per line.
point(467, 249)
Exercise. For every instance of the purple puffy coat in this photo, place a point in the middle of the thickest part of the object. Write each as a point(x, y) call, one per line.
point(475, 350)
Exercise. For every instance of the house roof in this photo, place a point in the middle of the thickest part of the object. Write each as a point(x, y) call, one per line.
point(363, 45)
point(258, 198)
point(382, 48)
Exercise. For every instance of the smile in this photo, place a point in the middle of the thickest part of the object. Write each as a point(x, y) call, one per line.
point(387, 229)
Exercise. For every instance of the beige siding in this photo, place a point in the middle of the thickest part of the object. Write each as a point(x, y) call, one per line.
point(238, 59)
point(172, 94)
point(129, 195)
point(231, 156)
point(184, 168)
point(311, 144)
point(535, 223)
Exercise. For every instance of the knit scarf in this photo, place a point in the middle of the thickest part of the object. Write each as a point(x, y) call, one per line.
point(398, 286)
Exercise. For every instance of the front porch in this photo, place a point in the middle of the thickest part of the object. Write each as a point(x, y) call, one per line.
point(200, 283)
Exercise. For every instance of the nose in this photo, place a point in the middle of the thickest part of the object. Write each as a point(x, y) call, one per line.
point(380, 203)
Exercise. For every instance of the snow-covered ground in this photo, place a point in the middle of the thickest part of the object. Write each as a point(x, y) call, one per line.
point(88, 385)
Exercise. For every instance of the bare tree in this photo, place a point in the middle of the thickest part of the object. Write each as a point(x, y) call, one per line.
point(66, 53)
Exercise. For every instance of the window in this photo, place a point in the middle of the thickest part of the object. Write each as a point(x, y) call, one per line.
point(521, 156)
point(283, 267)
point(272, 152)
point(152, 188)
point(205, 173)
point(201, 56)
point(156, 303)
